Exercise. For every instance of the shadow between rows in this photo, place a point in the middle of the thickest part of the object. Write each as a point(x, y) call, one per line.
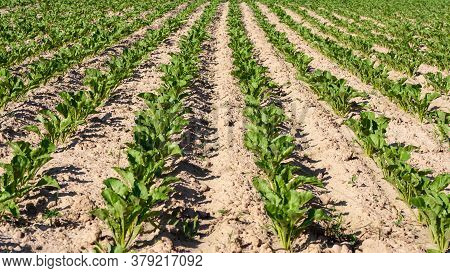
point(197, 142)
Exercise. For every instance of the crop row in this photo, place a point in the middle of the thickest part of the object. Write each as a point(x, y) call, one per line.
point(39, 20)
point(365, 45)
point(19, 175)
point(14, 3)
point(145, 183)
point(289, 208)
point(13, 87)
point(423, 18)
point(409, 37)
point(75, 27)
point(415, 186)
point(409, 97)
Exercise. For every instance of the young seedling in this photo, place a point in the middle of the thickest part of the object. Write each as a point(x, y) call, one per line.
point(51, 215)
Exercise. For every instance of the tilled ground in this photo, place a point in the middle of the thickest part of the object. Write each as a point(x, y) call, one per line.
point(216, 169)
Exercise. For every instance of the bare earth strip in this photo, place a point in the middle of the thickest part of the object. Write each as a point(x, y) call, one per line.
point(369, 203)
point(216, 170)
point(442, 103)
point(82, 166)
point(19, 114)
point(244, 225)
point(403, 127)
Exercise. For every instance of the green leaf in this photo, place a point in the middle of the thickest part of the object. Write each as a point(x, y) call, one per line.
point(47, 181)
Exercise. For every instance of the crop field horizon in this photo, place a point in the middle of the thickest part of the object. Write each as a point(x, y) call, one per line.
point(214, 126)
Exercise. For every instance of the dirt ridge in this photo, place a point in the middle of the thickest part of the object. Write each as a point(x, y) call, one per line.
point(86, 161)
point(370, 204)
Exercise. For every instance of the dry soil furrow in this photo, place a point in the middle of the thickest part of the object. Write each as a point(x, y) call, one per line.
point(325, 21)
point(19, 114)
point(441, 103)
point(216, 170)
point(368, 203)
point(83, 165)
point(403, 128)
point(239, 221)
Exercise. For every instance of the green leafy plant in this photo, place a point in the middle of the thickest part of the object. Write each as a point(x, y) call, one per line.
point(131, 200)
point(334, 91)
point(50, 215)
point(434, 211)
point(15, 181)
point(188, 228)
point(439, 82)
point(370, 131)
point(128, 206)
point(10, 87)
point(288, 206)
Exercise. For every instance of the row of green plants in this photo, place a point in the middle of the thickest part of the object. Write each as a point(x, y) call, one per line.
point(416, 187)
point(409, 37)
point(55, 127)
point(39, 72)
point(439, 82)
point(426, 27)
point(328, 87)
point(14, 3)
point(287, 200)
point(76, 26)
point(133, 199)
point(417, 16)
point(365, 46)
point(36, 21)
point(408, 96)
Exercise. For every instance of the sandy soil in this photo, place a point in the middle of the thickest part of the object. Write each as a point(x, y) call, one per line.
point(381, 49)
point(403, 127)
point(78, 168)
point(216, 169)
point(329, 147)
point(442, 103)
point(21, 113)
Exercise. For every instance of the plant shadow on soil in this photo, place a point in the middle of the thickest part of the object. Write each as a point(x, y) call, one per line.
point(5, 244)
point(16, 120)
point(32, 208)
point(325, 233)
point(91, 133)
point(46, 196)
point(197, 142)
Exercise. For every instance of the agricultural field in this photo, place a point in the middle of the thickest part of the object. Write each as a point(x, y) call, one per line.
point(224, 126)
